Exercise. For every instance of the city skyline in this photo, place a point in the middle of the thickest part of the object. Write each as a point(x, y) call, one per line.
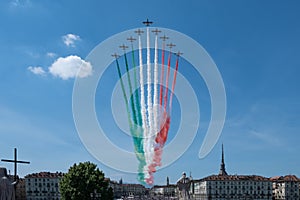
point(222, 173)
point(255, 46)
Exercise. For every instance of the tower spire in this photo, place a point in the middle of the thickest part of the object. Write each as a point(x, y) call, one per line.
point(223, 154)
point(222, 166)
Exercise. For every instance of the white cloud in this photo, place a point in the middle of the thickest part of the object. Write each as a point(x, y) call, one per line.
point(37, 70)
point(71, 67)
point(70, 39)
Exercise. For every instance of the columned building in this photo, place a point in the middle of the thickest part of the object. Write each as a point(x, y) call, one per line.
point(224, 186)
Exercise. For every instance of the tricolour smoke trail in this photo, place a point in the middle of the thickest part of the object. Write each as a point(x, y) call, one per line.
point(150, 120)
point(173, 84)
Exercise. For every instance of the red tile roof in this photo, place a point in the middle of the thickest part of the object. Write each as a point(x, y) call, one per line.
point(45, 175)
point(285, 178)
point(234, 178)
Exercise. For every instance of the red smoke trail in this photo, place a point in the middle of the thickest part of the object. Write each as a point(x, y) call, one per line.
point(160, 140)
point(167, 82)
point(173, 85)
point(162, 135)
point(162, 75)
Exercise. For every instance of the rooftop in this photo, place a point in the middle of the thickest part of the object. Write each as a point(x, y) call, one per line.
point(45, 175)
point(234, 178)
point(285, 178)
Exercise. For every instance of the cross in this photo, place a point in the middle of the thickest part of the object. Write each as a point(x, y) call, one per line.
point(115, 55)
point(124, 47)
point(147, 23)
point(156, 31)
point(171, 45)
point(131, 39)
point(164, 38)
point(15, 161)
point(139, 31)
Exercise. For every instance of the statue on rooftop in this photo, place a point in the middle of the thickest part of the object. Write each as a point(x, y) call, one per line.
point(7, 187)
point(183, 185)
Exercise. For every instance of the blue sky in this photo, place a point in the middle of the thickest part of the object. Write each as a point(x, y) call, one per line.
point(255, 45)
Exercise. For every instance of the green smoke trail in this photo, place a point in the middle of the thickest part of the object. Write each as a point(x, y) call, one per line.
point(124, 94)
point(136, 94)
point(130, 90)
point(136, 99)
point(135, 130)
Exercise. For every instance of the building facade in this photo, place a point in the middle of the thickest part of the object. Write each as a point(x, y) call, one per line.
point(163, 191)
point(43, 186)
point(128, 190)
point(224, 186)
point(233, 187)
point(286, 187)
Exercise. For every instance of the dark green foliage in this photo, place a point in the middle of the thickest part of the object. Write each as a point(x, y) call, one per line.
point(82, 180)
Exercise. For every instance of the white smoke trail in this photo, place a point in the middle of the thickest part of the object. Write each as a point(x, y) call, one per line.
point(143, 106)
point(155, 100)
point(149, 103)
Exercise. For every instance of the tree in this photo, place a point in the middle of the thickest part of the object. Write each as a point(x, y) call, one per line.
point(82, 181)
